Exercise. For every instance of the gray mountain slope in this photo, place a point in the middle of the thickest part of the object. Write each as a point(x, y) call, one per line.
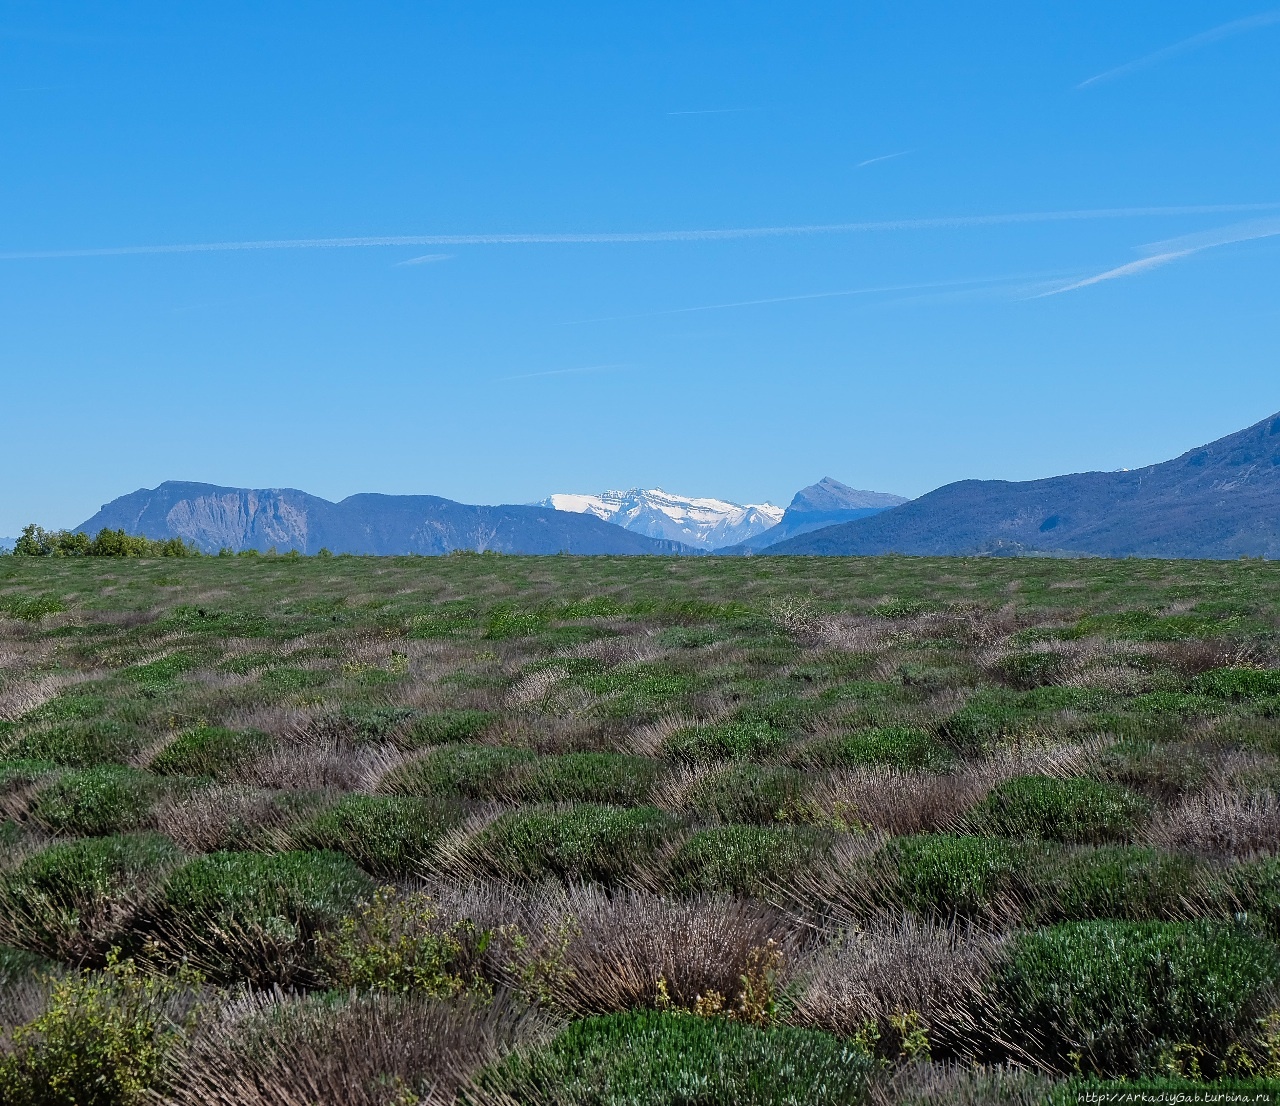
point(1217, 501)
point(822, 504)
point(243, 518)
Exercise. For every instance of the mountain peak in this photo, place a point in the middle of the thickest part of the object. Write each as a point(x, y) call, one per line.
point(829, 494)
point(700, 521)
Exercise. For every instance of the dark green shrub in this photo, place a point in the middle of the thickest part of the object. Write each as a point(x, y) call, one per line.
point(950, 874)
point(255, 916)
point(107, 799)
point(1114, 881)
point(898, 746)
point(637, 691)
point(19, 964)
point(31, 608)
point(583, 841)
point(447, 727)
point(18, 773)
point(80, 743)
point(1124, 998)
point(726, 740)
point(649, 1058)
point(1254, 889)
point(385, 835)
point(1159, 770)
point(1028, 670)
point(1081, 810)
point(163, 671)
point(748, 792)
point(1239, 683)
point(209, 751)
point(587, 777)
point(475, 771)
point(73, 898)
point(365, 722)
point(748, 860)
point(288, 679)
point(994, 715)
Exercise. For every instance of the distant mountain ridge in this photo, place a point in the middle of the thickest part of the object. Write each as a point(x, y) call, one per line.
point(703, 523)
point(1220, 500)
point(822, 504)
point(214, 517)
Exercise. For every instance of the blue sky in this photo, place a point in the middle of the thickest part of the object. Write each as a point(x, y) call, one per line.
point(507, 290)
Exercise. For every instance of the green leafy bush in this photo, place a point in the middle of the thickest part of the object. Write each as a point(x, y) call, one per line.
point(399, 943)
point(950, 874)
point(749, 792)
point(80, 743)
point(255, 916)
point(107, 799)
point(38, 542)
point(1239, 683)
point(73, 898)
point(897, 746)
point(637, 690)
point(748, 860)
point(583, 841)
point(1254, 889)
point(587, 777)
point(1080, 810)
point(209, 751)
point(1114, 881)
point(449, 726)
point(385, 835)
point(31, 608)
point(369, 722)
point(101, 1041)
point(1028, 670)
point(993, 715)
point(726, 740)
point(1124, 998)
point(471, 770)
point(650, 1058)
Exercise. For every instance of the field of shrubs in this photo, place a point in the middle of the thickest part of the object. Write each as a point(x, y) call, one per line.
point(636, 832)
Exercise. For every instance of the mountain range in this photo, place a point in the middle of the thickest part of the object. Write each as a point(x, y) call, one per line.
point(1219, 500)
point(825, 503)
point(702, 523)
point(214, 518)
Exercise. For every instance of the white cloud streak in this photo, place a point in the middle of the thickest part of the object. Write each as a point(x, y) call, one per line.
point(1174, 249)
point(882, 157)
point(630, 237)
point(1216, 34)
point(426, 259)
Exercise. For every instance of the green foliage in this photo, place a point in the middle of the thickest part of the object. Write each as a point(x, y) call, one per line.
point(1115, 998)
point(366, 722)
point(650, 1058)
point(747, 860)
point(898, 746)
point(209, 751)
point(38, 542)
point(385, 835)
point(80, 743)
point(102, 1040)
point(474, 771)
point(1079, 810)
point(255, 916)
point(1254, 888)
point(997, 714)
point(107, 799)
point(15, 773)
point(31, 608)
point(726, 740)
point(582, 841)
point(587, 777)
point(637, 690)
point(74, 896)
point(950, 874)
point(1029, 670)
point(1239, 683)
point(747, 792)
point(449, 726)
point(398, 943)
point(1145, 626)
point(1114, 881)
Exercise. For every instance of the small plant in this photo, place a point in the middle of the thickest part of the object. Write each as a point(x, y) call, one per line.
point(396, 942)
point(896, 746)
point(949, 874)
point(473, 771)
point(748, 792)
point(209, 751)
point(387, 835)
point(586, 777)
point(726, 740)
point(101, 1041)
point(747, 859)
point(107, 799)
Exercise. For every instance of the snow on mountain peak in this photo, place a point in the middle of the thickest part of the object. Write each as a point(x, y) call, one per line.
point(702, 522)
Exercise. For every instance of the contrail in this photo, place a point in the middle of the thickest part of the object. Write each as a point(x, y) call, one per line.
point(627, 237)
point(1226, 30)
point(882, 157)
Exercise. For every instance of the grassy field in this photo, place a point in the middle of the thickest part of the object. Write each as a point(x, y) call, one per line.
point(573, 831)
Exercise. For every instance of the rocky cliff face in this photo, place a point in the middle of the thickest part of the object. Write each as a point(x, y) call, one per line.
point(214, 517)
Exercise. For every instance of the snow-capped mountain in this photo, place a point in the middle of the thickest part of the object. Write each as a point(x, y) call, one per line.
point(702, 523)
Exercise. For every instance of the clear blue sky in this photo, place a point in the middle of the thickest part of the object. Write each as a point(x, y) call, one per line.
point(546, 332)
